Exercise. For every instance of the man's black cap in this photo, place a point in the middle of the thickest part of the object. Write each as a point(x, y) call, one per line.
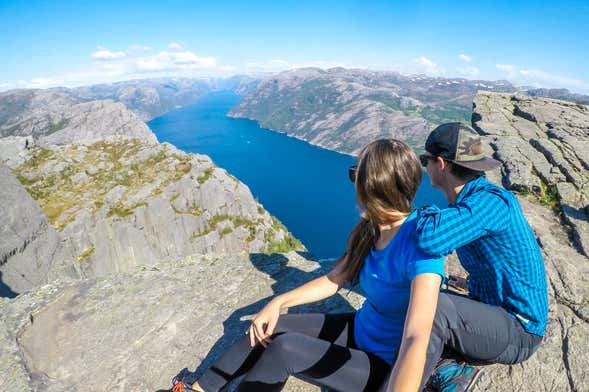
point(457, 143)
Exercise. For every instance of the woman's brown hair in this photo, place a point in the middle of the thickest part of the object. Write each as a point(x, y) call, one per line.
point(387, 177)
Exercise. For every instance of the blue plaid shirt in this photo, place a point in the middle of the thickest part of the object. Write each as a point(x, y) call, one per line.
point(497, 247)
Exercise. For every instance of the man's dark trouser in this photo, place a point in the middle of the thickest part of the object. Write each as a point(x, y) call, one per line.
point(478, 333)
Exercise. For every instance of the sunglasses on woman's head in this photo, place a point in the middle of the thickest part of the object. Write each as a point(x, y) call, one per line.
point(352, 173)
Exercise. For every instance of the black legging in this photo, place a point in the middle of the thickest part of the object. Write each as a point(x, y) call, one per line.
point(318, 348)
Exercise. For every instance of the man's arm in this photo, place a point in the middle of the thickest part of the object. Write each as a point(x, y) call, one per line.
point(440, 231)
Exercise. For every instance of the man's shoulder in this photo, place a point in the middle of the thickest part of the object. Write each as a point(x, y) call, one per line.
point(484, 189)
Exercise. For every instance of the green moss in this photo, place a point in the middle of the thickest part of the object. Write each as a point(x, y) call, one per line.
point(226, 230)
point(288, 243)
point(87, 253)
point(205, 176)
point(25, 181)
point(549, 196)
point(119, 211)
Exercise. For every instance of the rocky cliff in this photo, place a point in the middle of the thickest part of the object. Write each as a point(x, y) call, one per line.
point(56, 118)
point(28, 243)
point(543, 144)
point(122, 202)
point(345, 109)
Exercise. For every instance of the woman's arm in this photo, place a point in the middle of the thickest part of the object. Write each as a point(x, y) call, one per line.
point(408, 370)
point(264, 322)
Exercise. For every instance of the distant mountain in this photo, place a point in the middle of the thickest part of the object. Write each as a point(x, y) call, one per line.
point(28, 112)
point(344, 109)
point(558, 93)
point(150, 98)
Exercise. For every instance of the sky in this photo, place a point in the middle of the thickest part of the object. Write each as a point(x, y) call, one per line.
point(71, 43)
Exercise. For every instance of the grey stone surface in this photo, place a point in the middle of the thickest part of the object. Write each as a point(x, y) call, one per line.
point(28, 244)
point(14, 150)
point(544, 146)
point(86, 123)
point(119, 203)
point(167, 317)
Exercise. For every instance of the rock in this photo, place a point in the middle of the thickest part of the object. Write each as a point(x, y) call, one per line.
point(544, 146)
point(119, 203)
point(167, 317)
point(28, 244)
point(14, 150)
point(87, 123)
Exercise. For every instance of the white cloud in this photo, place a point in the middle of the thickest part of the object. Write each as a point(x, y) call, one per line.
point(424, 65)
point(545, 78)
point(175, 46)
point(468, 72)
point(464, 57)
point(44, 82)
point(426, 62)
point(139, 48)
point(508, 69)
point(539, 78)
point(5, 86)
point(105, 54)
point(166, 60)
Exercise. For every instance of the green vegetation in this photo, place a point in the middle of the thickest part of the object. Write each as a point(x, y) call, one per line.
point(288, 243)
point(111, 163)
point(87, 253)
point(205, 176)
point(226, 230)
point(549, 196)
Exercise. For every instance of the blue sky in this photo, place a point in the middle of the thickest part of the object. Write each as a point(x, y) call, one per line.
point(49, 43)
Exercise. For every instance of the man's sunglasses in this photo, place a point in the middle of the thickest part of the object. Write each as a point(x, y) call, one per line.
point(352, 173)
point(425, 158)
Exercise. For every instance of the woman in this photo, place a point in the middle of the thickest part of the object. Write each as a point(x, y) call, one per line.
point(355, 351)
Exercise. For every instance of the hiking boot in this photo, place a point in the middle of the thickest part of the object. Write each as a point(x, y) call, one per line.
point(452, 376)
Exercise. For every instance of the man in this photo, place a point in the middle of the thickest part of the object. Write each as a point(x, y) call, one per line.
point(504, 317)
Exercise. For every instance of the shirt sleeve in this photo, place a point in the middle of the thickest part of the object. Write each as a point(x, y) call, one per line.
point(440, 231)
point(422, 263)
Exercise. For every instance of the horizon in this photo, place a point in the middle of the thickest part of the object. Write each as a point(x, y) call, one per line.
point(60, 44)
point(262, 75)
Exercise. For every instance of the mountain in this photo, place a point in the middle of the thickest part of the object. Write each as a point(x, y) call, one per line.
point(43, 112)
point(344, 109)
point(149, 98)
point(558, 93)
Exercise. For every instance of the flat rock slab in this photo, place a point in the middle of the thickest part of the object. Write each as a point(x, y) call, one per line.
point(134, 332)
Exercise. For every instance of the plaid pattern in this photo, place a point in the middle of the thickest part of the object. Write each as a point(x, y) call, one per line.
point(497, 247)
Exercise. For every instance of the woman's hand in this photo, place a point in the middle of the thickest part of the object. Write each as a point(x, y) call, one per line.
point(263, 324)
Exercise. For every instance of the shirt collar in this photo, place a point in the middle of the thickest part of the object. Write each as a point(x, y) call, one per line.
point(469, 188)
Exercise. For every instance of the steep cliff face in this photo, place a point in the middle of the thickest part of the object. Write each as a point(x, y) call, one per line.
point(120, 202)
point(28, 244)
point(345, 109)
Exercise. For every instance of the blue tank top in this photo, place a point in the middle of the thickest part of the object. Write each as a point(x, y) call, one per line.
point(385, 280)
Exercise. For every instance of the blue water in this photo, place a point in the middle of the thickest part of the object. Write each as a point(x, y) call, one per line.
point(304, 186)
